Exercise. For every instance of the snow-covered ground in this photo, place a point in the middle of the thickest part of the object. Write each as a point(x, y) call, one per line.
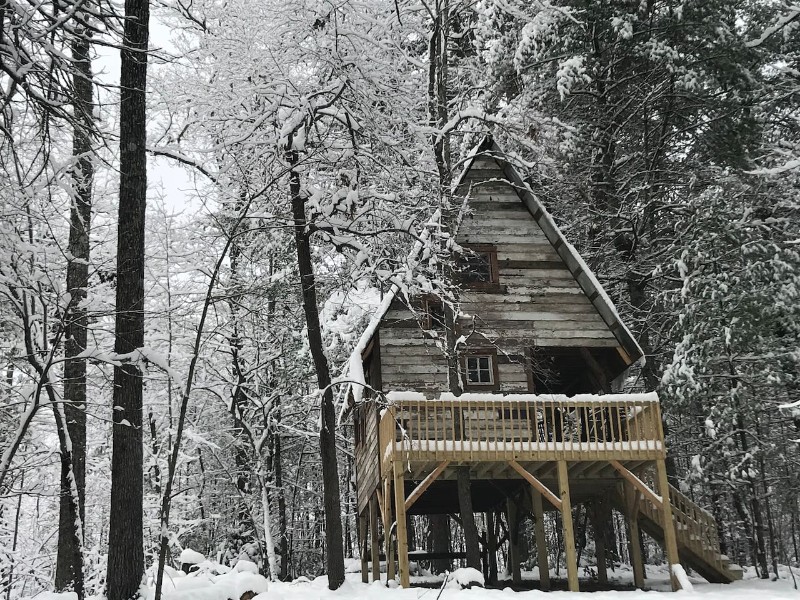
point(223, 587)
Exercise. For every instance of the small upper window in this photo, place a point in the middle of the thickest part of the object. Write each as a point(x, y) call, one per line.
point(480, 370)
point(433, 313)
point(477, 266)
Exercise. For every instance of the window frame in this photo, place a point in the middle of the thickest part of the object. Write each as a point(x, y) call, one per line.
point(490, 250)
point(491, 354)
point(429, 303)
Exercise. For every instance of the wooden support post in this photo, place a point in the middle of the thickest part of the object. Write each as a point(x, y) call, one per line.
point(362, 546)
point(631, 498)
point(491, 546)
point(375, 551)
point(636, 551)
point(541, 540)
point(400, 517)
point(569, 532)
point(597, 514)
point(512, 514)
point(670, 541)
point(387, 528)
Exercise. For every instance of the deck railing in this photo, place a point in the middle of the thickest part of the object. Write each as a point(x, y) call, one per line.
point(502, 428)
point(695, 526)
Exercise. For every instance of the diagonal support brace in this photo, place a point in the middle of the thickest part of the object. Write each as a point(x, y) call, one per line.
point(637, 483)
point(425, 484)
point(538, 485)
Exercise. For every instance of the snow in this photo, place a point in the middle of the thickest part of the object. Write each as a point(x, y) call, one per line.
point(213, 588)
point(467, 577)
point(649, 397)
point(682, 577)
point(245, 566)
point(527, 446)
point(203, 585)
point(407, 396)
point(779, 24)
point(191, 557)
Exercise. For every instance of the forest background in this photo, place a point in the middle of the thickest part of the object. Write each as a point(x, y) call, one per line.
point(317, 143)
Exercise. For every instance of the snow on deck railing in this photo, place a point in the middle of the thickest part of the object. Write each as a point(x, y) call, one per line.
point(477, 426)
point(401, 396)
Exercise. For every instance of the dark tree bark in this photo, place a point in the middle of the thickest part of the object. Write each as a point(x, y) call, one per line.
point(334, 550)
point(125, 551)
point(468, 519)
point(439, 541)
point(239, 400)
point(69, 561)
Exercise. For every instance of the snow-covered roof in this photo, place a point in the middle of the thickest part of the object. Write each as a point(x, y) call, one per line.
point(577, 266)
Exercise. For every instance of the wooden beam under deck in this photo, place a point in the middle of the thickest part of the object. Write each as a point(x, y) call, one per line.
point(425, 484)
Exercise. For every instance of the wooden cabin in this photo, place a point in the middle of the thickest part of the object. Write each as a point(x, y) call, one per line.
point(537, 425)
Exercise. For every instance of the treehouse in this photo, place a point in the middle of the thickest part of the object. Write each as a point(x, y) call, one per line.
point(536, 426)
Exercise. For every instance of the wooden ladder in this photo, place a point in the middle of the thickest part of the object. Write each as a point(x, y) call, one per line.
point(696, 533)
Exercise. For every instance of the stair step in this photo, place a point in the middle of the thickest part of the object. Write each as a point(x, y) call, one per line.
point(735, 571)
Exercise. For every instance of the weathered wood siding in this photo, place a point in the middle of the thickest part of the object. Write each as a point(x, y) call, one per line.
point(367, 460)
point(410, 359)
point(539, 303)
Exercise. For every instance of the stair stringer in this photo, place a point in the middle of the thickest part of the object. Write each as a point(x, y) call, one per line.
point(696, 534)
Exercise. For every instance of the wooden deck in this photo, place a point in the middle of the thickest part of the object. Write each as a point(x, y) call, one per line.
point(521, 428)
point(567, 450)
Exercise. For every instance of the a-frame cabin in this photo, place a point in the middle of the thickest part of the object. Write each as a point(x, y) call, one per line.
point(537, 426)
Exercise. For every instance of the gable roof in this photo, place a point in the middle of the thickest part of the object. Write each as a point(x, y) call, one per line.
point(630, 353)
point(580, 271)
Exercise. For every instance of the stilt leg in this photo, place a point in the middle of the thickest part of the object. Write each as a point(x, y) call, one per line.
point(670, 542)
point(541, 541)
point(631, 498)
point(375, 551)
point(387, 528)
point(400, 516)
point(636, 552)
point(513, 543)
point(569, 533)
point(362, 546)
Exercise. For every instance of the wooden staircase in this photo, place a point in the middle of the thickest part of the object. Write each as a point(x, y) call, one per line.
point(696, 533)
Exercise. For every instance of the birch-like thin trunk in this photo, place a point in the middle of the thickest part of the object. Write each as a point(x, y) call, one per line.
point(334, 550)
point(269, 540)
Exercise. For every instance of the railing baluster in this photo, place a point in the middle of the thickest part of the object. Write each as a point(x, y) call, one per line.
point(528, 427)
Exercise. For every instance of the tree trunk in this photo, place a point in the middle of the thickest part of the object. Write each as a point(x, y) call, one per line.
point(69, 561)
point(125, 552)
point(334, 551)
point(468, 519)
point(239, 402)
point(439, 541)
point(283, 540)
